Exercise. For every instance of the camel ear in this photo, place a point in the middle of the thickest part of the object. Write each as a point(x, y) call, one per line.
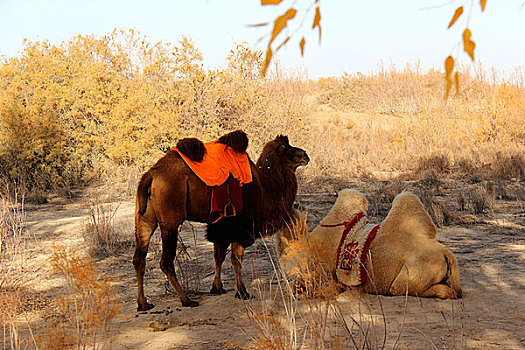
point(282, 138)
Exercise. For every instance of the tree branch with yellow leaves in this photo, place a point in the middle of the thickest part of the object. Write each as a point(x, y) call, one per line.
point(282, 22)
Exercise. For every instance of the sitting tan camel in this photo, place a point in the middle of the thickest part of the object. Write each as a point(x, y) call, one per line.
point(404, 252)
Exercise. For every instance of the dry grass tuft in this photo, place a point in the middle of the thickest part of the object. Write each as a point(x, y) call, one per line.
point(14, 239)
point(437, 163)
point(187, 266)
point(101, 233)
point(13, 235)
point(86, 308)
point(480, 199)
point(509, 166)
point(302, 258)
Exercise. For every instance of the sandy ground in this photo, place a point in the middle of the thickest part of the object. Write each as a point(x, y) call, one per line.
point(490, 251)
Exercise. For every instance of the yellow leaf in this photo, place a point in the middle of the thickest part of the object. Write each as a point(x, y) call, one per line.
point(317, 21)
point(467, 34)
point(457, 14)
point(449, 67)
point(301, 44)
point(270, 2)
point(280, 23)
point(483, 3)
point(468, 45)
point(267, 60)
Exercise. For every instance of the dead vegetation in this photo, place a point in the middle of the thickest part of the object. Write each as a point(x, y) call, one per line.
point(84, 310)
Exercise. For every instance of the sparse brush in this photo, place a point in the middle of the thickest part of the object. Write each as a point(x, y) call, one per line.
point(13, 235)
point(381, 124)
point(381, 197)
point(187, 265)
point(100, 231)
point(508, 166)
point(14, 239)
point(462, 201)
point(87, 307)
point(311, 273)
point(480, 199)
point(440, 211)
point(10, 304)
point(438, 163)
point(303, 258)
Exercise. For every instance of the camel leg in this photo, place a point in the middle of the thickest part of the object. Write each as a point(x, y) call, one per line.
point(219, 253)
point(441, 291)
point(422, 283)
point(236, 257)
point(143, 233)
point(169, 250)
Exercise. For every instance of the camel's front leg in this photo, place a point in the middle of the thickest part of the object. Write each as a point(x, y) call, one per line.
point(219, 253)
point(237, 255)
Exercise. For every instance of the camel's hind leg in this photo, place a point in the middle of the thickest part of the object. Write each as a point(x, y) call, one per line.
point(423, 278)
point(219, 253)
point(236, 256)
point(143, 232)
point(441, 291)
point(170, 235)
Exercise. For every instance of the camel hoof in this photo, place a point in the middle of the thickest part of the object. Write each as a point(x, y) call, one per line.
point(244, 295)
point(145, 307)
point(190, 303)
point(217, 291)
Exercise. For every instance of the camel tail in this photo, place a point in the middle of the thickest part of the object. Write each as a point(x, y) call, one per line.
point(143, 191)
point(453, 274)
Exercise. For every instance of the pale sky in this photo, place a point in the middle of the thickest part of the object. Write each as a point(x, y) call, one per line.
point(356, 35)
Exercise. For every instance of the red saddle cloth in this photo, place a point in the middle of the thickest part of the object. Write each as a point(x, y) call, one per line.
point(225, 170)
point(226, 199)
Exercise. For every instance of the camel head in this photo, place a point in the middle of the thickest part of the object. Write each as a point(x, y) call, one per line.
point(279, 150)
point(347, 205)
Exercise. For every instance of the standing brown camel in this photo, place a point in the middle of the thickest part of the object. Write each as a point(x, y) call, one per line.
point(169, 193)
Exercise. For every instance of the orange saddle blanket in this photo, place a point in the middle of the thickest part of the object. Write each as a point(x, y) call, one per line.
point(218, 163)
point(214, 170)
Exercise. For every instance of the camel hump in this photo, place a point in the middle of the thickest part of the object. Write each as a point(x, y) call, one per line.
point(192, 148)
point(237, 140)
point(348, 203)
point(409, 216)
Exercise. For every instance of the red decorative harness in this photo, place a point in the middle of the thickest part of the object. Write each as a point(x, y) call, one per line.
point(353, 249)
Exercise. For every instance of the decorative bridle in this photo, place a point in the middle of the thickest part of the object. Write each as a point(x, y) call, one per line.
point(348, 224)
